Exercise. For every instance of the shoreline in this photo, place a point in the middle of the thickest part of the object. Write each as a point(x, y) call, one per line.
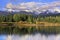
point(30, 24)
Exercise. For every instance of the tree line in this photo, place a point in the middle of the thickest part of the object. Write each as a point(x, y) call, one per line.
point(28, 18)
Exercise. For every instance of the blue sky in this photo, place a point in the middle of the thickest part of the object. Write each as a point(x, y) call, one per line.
point(4, 2)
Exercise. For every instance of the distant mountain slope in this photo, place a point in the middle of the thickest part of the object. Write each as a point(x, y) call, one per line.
point(34, 13)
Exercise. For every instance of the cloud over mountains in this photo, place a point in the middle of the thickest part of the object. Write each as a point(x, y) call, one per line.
point(36, 6)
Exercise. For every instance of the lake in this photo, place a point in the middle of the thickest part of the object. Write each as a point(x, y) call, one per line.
point(30, 33)
point(37, 36)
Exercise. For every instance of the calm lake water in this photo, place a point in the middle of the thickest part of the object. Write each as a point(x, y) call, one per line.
point(37, 36)
point(30, 37)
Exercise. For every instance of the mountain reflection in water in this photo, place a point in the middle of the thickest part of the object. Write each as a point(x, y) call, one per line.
point(30, 37)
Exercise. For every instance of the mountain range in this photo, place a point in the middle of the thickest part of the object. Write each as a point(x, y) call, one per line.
point(44, 12)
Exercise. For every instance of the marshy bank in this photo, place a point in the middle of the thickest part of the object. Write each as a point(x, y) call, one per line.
point(19, 28)
point(25, 23)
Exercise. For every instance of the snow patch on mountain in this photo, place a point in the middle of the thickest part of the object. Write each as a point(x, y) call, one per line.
point(57, 9)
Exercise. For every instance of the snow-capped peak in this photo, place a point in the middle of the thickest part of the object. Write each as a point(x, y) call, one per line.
point(56, 9)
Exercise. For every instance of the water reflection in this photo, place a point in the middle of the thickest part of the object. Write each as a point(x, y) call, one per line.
point(9, 37)
point(3, 37)
point(30, 37)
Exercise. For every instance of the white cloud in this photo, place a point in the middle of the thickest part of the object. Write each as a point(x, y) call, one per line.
point(37, 6)
point(24, 5)
point(50, 5)
point(9, 5)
